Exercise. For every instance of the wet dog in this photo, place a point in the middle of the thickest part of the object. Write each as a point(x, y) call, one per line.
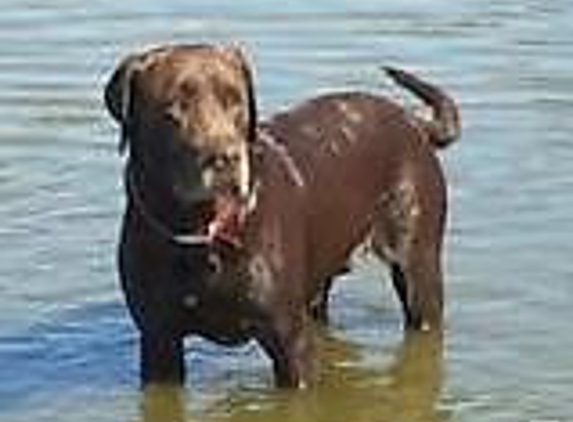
point(235, 230)
point(187, 116)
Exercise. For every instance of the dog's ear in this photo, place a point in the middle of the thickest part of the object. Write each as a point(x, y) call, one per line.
point(236, 52)
point(118, 94)
point(253, 113)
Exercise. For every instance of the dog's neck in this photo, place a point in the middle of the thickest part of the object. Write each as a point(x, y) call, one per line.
point(155, 222)
point(225, 227)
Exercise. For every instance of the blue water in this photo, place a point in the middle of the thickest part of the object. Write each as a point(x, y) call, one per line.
point(67, 346)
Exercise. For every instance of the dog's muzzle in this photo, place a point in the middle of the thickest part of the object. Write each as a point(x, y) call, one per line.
point(226, 227)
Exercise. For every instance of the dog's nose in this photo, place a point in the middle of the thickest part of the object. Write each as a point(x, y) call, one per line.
point(220, 161)
point(226, 172)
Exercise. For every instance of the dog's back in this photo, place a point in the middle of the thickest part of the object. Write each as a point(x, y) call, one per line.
point(369, 170)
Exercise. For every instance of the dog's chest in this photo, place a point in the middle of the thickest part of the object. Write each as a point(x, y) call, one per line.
point(217, 301)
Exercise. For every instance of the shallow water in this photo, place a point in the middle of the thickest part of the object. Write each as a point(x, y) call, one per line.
point(67, 347)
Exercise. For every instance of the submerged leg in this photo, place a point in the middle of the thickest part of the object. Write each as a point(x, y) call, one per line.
point(162, 359)
point(418, 283)
point(408, 235)
point(289, 344)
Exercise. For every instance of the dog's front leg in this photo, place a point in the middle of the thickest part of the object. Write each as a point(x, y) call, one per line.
point(288, 341)
point(162, 359)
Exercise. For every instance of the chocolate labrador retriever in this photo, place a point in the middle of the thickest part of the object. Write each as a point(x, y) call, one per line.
point(235, 230)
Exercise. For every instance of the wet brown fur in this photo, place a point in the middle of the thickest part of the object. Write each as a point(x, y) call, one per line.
point(324, 177)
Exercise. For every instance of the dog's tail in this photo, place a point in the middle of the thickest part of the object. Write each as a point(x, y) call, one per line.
point(444, 127)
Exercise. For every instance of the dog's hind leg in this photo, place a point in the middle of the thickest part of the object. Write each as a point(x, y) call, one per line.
point(408, 236)
point(418, 283)
point(319, 305)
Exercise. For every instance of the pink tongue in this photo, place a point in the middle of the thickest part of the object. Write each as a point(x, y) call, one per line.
point(226, 225)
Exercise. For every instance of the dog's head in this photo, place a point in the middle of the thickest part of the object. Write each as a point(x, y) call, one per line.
point(187, 115)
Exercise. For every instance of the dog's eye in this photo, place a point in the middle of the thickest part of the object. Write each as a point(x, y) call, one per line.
point(189, 91)
point(229, 96)
point(171, 114)
point(176, 111)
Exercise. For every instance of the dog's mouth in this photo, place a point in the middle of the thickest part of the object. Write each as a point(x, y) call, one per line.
point(226, 222)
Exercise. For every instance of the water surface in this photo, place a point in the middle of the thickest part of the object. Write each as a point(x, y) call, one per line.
point(67, 347)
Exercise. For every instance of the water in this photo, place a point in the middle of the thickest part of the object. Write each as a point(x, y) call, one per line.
point(67, 347)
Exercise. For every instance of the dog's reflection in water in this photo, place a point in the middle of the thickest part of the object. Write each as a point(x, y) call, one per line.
point(408, 390)
point(163, 403)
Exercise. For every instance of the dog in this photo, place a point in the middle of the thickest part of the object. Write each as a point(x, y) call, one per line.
point(234, 229)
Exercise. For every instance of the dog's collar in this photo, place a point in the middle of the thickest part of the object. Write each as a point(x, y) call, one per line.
point(163, 230)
